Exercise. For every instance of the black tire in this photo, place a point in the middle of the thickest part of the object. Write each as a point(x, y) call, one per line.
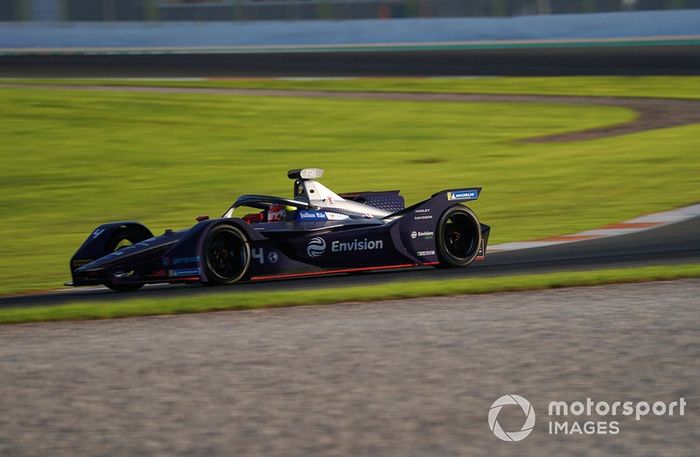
point(225, 255)
point(458, 237)
point(123, 287)
point(124, 237)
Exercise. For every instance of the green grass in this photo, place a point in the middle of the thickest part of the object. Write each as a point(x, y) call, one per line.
point(396, 290)
point(72, 160)
point(612, 86)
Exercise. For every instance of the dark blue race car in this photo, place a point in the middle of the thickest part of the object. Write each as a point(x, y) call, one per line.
point(316, 232)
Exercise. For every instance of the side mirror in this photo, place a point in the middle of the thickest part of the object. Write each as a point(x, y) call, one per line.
point(202, 218)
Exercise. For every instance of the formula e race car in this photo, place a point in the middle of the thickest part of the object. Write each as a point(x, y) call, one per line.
point(314, 233)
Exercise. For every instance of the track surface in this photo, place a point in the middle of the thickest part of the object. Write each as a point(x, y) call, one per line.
point(652, 113)
point(544, 61)
point(674, 243)
point(399, 378)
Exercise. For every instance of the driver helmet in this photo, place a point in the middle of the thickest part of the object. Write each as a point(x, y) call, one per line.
point(276, 213)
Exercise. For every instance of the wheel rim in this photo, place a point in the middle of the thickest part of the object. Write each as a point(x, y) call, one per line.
point(460, 236)
point(226, 255)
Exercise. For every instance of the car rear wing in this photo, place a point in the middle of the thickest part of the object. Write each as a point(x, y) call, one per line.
point(441, 200)
point(457, 195)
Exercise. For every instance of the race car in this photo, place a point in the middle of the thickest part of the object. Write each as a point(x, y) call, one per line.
point(316, 232)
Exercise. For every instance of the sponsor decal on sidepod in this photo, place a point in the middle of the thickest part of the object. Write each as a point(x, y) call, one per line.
point(181, 260)
point(427, 235)
point(317, 246)
point(184, 272)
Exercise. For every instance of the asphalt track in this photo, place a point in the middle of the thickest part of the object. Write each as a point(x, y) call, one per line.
point(669, 244)
point(610, 59)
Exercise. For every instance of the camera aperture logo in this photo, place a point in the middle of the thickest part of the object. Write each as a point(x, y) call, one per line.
point(588, 417)
point(527, 427)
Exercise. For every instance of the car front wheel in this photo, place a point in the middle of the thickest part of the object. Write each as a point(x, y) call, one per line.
point(226, 255)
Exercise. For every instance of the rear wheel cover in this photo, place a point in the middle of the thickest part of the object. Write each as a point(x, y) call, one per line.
point(226, 255)
point(458, 237)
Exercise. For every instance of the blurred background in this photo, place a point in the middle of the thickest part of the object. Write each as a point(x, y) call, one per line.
point(256, 10)
point(348, 37)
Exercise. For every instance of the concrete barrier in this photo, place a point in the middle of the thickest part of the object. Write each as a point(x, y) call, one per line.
point(145, 35)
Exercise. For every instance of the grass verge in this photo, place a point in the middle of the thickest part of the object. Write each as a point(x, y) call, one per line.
point(601, 86)
point(397, 290)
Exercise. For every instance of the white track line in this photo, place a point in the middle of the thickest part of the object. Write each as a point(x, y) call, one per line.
point(638, 224)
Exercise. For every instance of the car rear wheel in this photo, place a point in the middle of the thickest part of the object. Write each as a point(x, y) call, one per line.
point(458, 237)
point(124, 238)
point(226, 255)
